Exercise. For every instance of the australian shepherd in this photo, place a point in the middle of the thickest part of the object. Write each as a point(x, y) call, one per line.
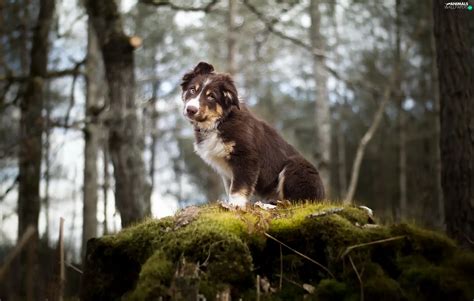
point(250, 156)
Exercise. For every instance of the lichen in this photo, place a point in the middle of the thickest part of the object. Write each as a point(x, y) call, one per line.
point(222, 252)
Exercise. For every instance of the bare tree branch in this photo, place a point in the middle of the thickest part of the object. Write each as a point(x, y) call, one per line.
point(205, 8)
point(25, 238)
point(270, 24)
point(72, 99)
point(367, 137)
point(74, 71)
point(375, 124)
point(9, 189)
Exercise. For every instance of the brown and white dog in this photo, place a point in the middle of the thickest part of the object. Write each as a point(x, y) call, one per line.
point(249, 155)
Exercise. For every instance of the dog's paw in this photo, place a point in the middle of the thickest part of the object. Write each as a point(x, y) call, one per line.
point(238, 200)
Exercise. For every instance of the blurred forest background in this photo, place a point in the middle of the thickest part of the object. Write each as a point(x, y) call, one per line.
point(92, 131)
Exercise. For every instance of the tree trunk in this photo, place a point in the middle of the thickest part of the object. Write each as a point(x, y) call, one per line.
point(31, 130)
point(126, 145)
point(438, 219)
point(91, 137)
point(341, 156)
point(231, 37)
point(341, 110)
point(47, 159)
point(322, 142)
point(402, 154)
point(455, 61)
point(153, 115)
point(105, 184)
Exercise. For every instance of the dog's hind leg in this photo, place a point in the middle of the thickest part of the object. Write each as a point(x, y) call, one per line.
point(299, 181)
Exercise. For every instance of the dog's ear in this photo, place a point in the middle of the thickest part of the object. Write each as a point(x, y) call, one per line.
point(229, 92)
point(201, 68)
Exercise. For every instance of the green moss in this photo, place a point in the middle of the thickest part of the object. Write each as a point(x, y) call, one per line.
point(331, 290)
point(382, 288)
point(154, 279)
point(217, 250)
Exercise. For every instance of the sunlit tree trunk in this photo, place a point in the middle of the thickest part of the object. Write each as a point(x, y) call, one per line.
point(322, 141)
point(455, 60)
point(91, 137)
point(31, 130)
point(231, 37)
point(106, 182)
point(341, 110)
point(126, 145)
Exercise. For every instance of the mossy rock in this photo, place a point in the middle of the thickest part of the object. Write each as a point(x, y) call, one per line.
point(215, 253)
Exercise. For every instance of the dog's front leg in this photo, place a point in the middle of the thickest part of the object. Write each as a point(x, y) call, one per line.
point(226, 185)
point(243, 184)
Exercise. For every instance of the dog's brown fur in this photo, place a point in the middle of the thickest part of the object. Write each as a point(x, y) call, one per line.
point(250, 155)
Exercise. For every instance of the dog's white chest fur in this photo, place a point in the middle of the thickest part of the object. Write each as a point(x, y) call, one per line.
point(215, 152)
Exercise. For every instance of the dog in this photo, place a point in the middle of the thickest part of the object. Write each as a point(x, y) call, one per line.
point(249, 155)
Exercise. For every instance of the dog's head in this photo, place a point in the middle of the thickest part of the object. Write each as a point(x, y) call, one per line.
point(208, 96)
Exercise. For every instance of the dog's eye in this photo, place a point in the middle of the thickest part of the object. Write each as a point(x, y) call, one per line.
point(210, 98)
point(192, 90)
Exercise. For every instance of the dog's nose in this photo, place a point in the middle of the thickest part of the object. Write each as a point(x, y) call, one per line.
point(191, 110)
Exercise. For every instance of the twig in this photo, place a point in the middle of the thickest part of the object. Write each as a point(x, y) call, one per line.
point(205, 8)
point(301, 254)
point(258, 287)
point(281, 268)
point(30, 231)
point(349, 249)
point(358, 277)
point(209, 253)
point(74, 268)
point(292, 281)
point(469, 240)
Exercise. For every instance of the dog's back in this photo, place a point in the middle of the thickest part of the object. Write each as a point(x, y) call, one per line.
point(282, 172)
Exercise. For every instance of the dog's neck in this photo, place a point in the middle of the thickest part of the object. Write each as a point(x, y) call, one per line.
point(204, 131)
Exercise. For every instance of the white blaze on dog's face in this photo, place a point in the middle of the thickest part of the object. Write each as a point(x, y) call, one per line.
point(207, 96)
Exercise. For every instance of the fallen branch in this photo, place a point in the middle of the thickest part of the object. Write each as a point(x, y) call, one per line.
point(358, 277)
point(301, 254)
point(30, 231)
point(349, 249)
